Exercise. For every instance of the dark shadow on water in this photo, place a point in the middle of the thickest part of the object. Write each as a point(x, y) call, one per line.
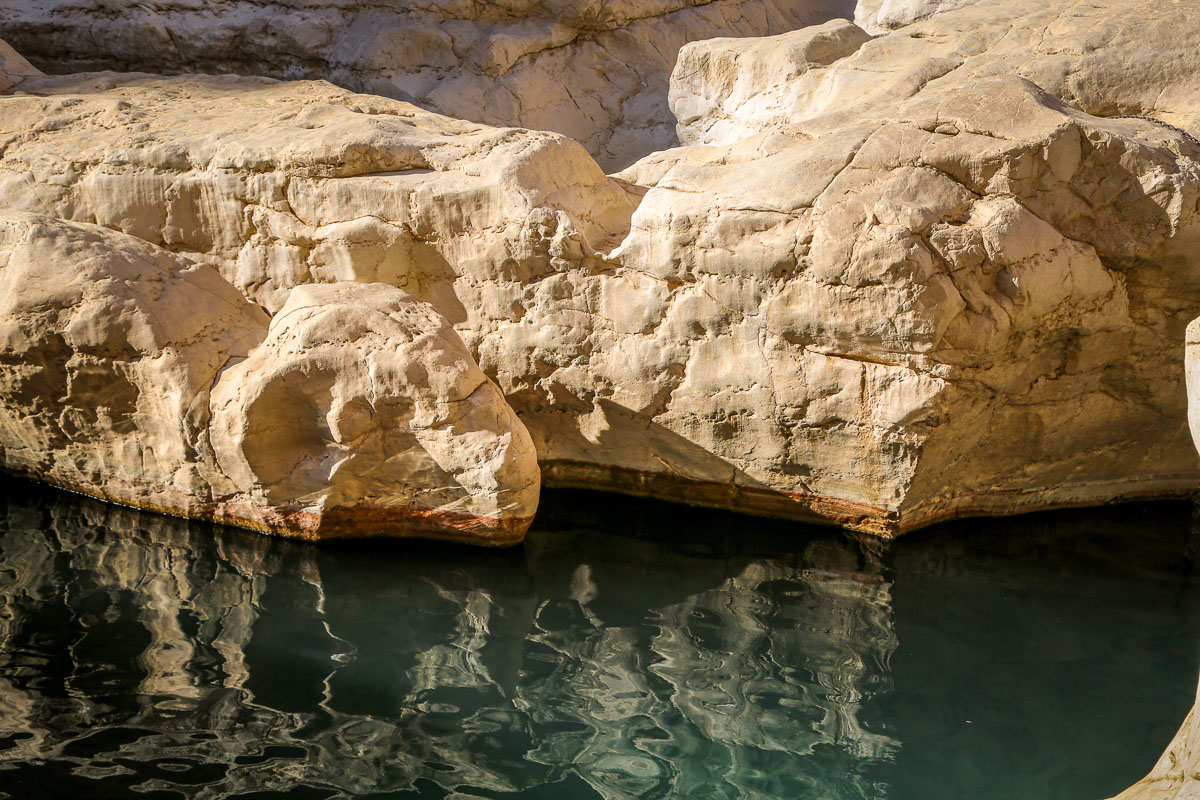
point(628, 649)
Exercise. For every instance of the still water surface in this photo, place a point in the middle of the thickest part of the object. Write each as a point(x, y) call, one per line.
point(629, 649)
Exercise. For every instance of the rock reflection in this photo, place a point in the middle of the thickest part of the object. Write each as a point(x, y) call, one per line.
point(186, 661)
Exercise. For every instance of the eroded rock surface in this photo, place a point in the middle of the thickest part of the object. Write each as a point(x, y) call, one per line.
point(880, 16)
point(138, 376)
point(596, 70)
point(947, 290)
point(1094, 56)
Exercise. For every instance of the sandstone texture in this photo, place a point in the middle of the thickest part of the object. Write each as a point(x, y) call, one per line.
point(886, 281)
point(1092, 56)
point(138, 376)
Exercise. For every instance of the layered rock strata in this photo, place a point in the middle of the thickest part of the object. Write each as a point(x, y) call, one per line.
point(135, 375)
point(948, 290)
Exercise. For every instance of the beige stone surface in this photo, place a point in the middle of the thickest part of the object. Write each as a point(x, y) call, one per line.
point(364, 403)
point(880, 16)
point(596, 70)
point(1094, 56)
point(281, 184)
point(948, 291)
point(141, 377)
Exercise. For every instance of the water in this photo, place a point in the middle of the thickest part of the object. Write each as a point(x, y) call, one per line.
point(629, 649)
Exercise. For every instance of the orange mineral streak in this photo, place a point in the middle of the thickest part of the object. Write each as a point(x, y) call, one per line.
point(340, 522)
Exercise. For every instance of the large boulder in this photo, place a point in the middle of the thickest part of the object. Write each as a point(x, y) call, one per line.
point(937, 295)
point(135, 375)
point(954, 292)
point(596, 71)
point(362, 413)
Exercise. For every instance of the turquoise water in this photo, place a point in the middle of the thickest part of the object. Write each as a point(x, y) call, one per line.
point(628, 649)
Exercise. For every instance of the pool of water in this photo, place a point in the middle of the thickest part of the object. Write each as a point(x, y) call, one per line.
point(629, 649)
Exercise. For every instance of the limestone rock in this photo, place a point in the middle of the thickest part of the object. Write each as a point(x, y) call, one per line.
point(140, 377)
point(363, 402)
point(941, 296)
point(880, 16)
point(727, 89)
point(1092, 56)
point(281, 184)
point(595, 70)
point(949, 290)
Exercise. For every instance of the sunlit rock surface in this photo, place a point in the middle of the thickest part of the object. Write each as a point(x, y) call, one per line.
point(596, 70)
point(1092, 56)
point(135, 375)
point(880, 16)
point(936, 273)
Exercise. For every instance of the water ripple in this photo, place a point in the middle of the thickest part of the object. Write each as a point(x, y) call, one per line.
point(628, 650)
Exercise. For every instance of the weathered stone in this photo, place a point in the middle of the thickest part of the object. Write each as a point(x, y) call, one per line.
point(596, 71)
point(281, 184)
point(880, 16)
point(135, 375)
point(1092, 56)
point(363, 403)
point(952, 292)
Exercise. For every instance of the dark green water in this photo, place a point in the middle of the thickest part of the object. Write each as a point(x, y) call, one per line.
point(628, 650)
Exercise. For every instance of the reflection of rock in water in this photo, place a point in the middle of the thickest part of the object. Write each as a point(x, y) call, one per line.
point(137, 650)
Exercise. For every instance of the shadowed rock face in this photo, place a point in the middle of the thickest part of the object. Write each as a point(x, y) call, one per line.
point(135, 375)
point(894, 280)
